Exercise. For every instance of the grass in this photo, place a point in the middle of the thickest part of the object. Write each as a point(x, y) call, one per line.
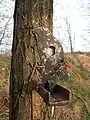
point(4, 85)
point(79, 105)
point(86, 116)
point(80, 94)
point(5, 66)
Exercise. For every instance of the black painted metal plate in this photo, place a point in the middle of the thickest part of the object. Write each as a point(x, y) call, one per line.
point(59, 96)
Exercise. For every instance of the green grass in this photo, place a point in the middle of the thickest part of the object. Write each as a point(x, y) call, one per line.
point(5, 66)
point(84, 74)
point(86, 116)
point(4, 80)
point(79, 92)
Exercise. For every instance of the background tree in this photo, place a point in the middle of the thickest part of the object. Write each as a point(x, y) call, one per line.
point(27, 13)
point(69, 35)
point(5, 25)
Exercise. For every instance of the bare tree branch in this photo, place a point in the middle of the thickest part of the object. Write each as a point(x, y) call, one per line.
point(4, 31)
point(69, 34)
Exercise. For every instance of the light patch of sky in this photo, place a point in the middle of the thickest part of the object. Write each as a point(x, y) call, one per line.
point(7, 9)
point(76, 17)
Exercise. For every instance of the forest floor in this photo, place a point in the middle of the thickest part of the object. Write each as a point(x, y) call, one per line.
point(4, 86)
point(79, 105)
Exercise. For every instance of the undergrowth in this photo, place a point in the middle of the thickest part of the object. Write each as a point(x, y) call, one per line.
point(4, 86)
point(79, 105)
point(5, 66)
point(80, 94)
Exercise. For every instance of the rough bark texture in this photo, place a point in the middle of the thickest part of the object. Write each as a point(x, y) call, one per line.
point(26, 57)
point(27, 13)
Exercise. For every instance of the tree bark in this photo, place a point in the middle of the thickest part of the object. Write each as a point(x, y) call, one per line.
point(28, 14)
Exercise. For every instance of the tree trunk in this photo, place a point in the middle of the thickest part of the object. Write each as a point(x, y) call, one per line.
point(28, 14)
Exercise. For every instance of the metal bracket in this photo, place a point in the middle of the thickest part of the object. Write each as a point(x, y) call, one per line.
point(59, 96)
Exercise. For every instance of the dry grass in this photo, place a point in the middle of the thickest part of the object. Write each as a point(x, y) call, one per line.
point(80, 60)
point(4, 99)
point(4, 86)
point(79, 106)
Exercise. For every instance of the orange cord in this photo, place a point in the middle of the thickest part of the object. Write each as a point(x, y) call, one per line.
point(78, 76)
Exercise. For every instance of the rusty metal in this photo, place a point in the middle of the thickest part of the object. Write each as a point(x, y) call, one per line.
point(59, 96)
